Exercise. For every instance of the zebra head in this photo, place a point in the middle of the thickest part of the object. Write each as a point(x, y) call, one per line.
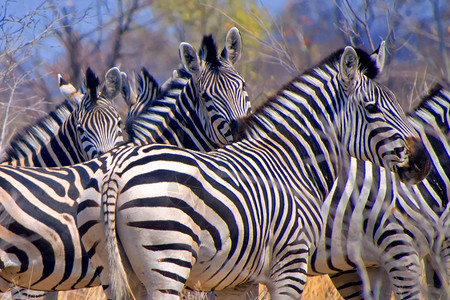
point(96, 121)
point(374, 126)
point(220, 96)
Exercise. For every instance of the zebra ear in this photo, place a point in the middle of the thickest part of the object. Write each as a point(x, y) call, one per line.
point(69, 91)
point(112, 85)
point(348, 68)
point(379, 56)
point(189, 58)
point(126, 90)
point(233, 46)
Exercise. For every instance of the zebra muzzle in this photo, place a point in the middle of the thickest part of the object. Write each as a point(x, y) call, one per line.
point(418, 164)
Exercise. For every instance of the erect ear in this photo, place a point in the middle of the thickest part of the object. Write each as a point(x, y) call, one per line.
point(113, 84)
point(189, 58)
point(69, 91)
point(126, 90)
point(233, 46)
point(348, 68)
point(379, 56)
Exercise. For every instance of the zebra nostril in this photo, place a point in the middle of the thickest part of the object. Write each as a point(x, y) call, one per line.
point(399, 152)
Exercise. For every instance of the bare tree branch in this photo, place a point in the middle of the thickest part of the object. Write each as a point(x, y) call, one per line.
point(124, 20)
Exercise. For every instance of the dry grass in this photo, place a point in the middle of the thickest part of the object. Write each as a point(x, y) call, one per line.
point(83, 294)
point(320, 288)
point(317, 288)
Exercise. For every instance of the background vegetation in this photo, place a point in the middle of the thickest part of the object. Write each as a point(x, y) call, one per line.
point(39, 39)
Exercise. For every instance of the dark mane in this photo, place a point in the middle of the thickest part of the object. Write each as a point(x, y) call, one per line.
point(435, 90)
point(366, 65)
point(92, 83)
point(39, 132)
point(168, 86)
point(208, 51)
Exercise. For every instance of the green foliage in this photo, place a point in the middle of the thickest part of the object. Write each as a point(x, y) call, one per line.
point(190, 20)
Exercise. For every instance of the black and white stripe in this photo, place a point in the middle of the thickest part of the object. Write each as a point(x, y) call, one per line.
point(82, 127)
point(249, 212)
point(200, 106)
point(398, 224)
point(148, 90)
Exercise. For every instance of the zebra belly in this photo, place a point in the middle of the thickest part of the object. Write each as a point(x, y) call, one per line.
point(332, 260)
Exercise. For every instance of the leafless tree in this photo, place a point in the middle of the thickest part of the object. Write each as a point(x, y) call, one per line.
point(18, 40)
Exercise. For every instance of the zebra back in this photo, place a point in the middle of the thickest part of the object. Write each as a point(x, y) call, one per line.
point(199, 107)
point(82, 127)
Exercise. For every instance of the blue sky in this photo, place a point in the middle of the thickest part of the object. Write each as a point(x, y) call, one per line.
point(23, 8)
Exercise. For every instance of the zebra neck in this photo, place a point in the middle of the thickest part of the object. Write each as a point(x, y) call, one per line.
point(32, 146)
point(434, 110)
point(164, 122)
point(190, 113)
point(306, 126)
point(170, 119)
point(435, 188)
point(434, 119)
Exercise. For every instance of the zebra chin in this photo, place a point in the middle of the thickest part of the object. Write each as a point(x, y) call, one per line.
point(417, 165)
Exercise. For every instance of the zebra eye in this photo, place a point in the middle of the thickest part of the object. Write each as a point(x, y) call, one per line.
point(80, 130)
point(205, 96)
point(372, 108)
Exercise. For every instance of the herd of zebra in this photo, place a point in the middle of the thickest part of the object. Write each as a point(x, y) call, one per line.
point(204, 193)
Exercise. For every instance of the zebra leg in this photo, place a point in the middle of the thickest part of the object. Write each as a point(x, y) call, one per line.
point(161, 261)
point(380, 284)
point(288, 273)
point(162, 278)
point(403, 267)
point(349, 284)
point(437, 279)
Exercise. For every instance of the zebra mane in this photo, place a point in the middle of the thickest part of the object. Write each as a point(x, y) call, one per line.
point(208, 51)
point(433, 92)
point(34, 135)
point(174, 82)
point(92, 83)
point(367, 66)
point(169, 89)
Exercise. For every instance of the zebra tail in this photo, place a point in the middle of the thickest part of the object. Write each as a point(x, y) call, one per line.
point(120, 288)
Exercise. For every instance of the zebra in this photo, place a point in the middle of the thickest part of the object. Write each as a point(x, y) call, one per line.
point(249, 212)
point(81, 128)
point(400, 223)
point(71, 276)
point(200, 106)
